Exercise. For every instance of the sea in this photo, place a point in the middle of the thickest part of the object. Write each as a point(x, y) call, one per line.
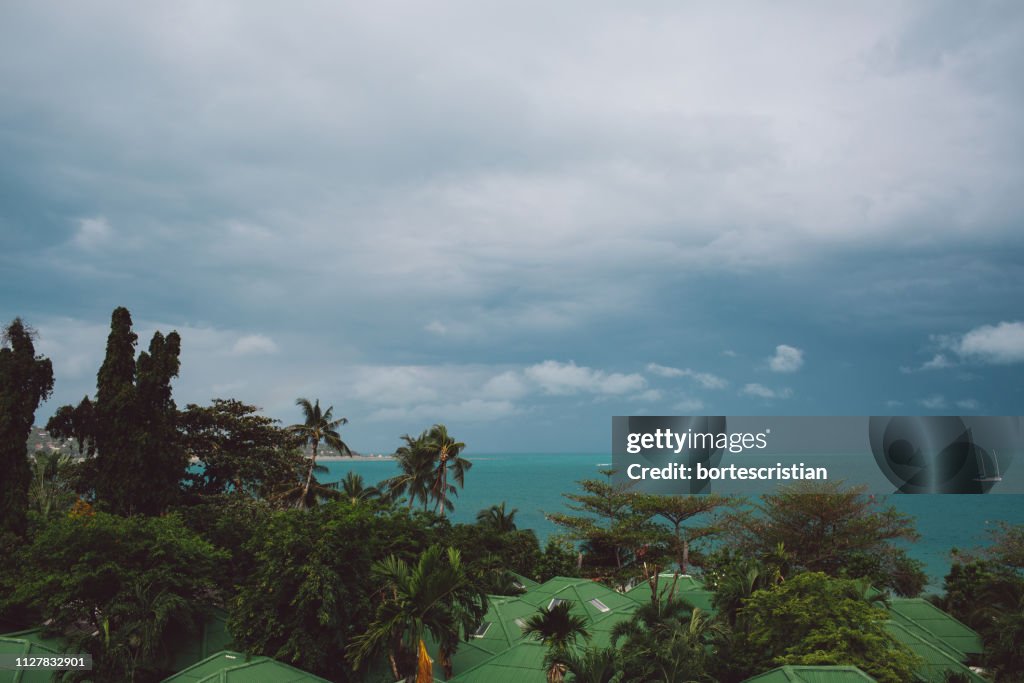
point(534, 483)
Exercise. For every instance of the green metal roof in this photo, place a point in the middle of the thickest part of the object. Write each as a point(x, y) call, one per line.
point(521, 663)
point(813, 674)
point(589, 598)
point(938, 660)
point(29, 642)
point(942, 642)
point(505, 616)
point(234, 667)
point(527, 583)
point(922, 614)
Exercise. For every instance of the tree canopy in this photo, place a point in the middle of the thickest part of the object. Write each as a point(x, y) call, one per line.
point(826, 527)
point(131, 426)
point(25, 380)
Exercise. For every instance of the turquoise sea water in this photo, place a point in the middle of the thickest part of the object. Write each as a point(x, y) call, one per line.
point(534, 483)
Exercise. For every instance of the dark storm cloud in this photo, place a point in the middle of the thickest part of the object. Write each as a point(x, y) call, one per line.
point(461, 193)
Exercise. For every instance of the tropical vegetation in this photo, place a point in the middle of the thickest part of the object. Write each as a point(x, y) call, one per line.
point(151, 517)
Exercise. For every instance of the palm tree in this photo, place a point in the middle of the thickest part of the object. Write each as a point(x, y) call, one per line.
point(50, 488)
point(559, 629)
point(665, 641)
point(355, 489)
point(318, 426)
point(445, 452)
point(435, 595)
point(416, 464)
point(298, 495)
point(497, 518)
point(595, 665)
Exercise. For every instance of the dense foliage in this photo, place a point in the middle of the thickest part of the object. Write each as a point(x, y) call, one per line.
point(812, 618)
point(25, 380)
point(987, 594)
point(827, 528)
point(237, 450)
point(311, 590)
point(132, 425)
point(126, 549)
point(117, 587)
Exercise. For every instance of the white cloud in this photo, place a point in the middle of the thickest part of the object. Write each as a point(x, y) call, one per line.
point(893, 404)
point(934, 402)
point(938, 362)
point(689, 406)
point(561, 379)
point(507, 385)
point(665, 371)
point(705, 379)
point(470, 410)
point(786, 359)
point(647, 396)
point(968, 404)
point(761, 391)
point(1000, 344)
point(254, 344)
point(93, 233)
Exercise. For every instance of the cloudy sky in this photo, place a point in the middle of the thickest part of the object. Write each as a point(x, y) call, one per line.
point(522, 219)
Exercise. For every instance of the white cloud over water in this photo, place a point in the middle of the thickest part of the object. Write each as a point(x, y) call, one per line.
point(761, 391)
point(1000, 344)
point(706, 380)
point(786, 359)
point(554, 377)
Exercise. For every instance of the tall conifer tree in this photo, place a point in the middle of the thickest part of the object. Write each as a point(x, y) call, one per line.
point(139, 459)
point(25, 380)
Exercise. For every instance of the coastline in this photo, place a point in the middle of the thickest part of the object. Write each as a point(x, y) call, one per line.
point(356, 458)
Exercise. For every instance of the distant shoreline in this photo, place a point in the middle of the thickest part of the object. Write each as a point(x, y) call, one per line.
point(361, 457)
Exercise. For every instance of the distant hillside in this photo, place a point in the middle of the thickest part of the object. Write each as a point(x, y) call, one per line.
point(40, 440)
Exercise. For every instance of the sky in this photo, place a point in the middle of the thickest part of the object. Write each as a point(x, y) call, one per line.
point(521, 219)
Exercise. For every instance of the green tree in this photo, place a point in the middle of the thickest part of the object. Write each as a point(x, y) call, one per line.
point(558, 629)
point(812, 618)
point(229, 522)
point(25, 380)
point(676, 511)
point(435, 595)
point(317, 426)
point(118, 587)
point(354, 489)
point(615, 537)
point(665, 641)
point(559, 558)
point(593, 665)
point(497, 518)
point(825, 527)
point(50, 492)
point(988, 595)
point(78, 423)
point(310, 591)
point(132, 425)
point(448, 463)
point(240, 450)
point(416, 464)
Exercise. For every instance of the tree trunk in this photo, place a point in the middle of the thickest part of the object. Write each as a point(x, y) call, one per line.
point(394, 666)
point(443, 493)
point(309, 477)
